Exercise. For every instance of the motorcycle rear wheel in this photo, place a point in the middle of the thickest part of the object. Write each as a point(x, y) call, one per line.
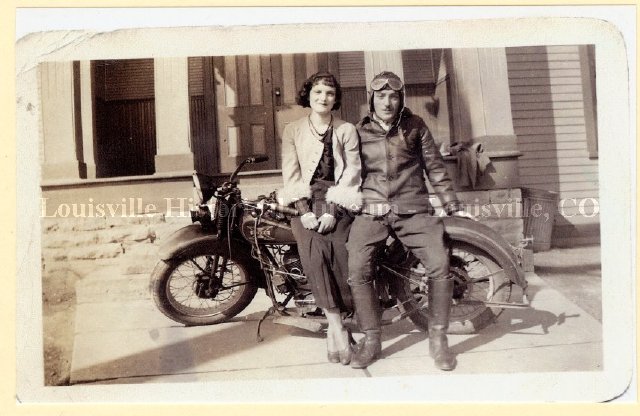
point(177, 288)
point(477, 277)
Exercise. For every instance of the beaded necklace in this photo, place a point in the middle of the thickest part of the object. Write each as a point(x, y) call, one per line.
point(314, 130)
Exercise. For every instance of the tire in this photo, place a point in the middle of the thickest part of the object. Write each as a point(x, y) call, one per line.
point(477, 277)
point(175, 284)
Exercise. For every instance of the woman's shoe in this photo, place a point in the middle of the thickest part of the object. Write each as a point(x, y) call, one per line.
point(334, 356)
point(347, 353)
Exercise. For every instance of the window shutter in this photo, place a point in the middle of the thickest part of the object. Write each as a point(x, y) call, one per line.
point(351, 69)
point(421, 65)
point(128, 79)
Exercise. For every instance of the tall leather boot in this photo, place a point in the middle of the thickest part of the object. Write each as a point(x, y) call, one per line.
point(439, 297)
point(367, 307)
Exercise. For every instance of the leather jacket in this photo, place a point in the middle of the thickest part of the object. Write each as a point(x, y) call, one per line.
point(394, 164)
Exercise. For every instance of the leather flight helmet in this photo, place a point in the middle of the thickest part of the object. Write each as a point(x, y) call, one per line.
point(387, 80)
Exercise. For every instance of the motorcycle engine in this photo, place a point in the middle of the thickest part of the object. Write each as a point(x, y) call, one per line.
point(304, 301)
point(292, 264)
point(289, 276)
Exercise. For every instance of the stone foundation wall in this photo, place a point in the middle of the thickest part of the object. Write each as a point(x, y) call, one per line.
point(130, 243)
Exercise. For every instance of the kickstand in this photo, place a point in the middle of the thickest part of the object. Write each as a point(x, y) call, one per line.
point(279, 309)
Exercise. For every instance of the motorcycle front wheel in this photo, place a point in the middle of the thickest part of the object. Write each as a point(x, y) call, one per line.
point(203, 289)
point(477, 278)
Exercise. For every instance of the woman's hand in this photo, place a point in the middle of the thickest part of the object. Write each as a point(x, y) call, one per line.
point(327, 223)
point(309, 221)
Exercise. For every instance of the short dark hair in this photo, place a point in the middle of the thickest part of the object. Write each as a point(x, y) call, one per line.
point(327, 79)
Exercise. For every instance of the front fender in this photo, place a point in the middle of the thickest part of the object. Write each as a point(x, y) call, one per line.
point(477, 234)
point(179, 243)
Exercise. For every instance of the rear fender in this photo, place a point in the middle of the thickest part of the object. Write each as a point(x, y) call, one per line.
point(479, 235)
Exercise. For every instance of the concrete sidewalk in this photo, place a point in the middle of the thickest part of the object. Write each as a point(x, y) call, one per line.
point(121, 337)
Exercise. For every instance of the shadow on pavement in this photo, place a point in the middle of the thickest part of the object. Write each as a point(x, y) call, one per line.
point(182, 356)
point(516, 322)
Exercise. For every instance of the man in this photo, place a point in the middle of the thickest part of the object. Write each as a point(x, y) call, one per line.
point(396, 149)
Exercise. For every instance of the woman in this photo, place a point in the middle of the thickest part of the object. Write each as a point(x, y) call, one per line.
point(321, 172)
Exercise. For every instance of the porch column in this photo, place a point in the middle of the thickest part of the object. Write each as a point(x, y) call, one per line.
point(173, 133)
point(481, 112)
point(58, 121)
point(481, 104)
point(86, 112)
point(378, 61)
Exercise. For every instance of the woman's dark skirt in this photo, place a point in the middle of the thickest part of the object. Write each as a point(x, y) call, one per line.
point(325, 261)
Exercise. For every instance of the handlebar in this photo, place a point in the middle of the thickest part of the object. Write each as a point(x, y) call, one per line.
point(272, 206)
point(283, 209)
point(252, 159)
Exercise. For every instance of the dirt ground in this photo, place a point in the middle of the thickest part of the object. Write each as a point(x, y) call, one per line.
point(58, 317)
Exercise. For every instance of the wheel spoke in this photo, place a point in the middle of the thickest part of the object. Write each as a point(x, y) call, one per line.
point(478, 279)
point(184, 295)
point(195, 263)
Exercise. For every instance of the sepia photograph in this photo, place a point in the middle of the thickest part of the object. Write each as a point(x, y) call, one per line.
point(343, 208)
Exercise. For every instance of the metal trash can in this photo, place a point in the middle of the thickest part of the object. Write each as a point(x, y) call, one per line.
point(539, 209)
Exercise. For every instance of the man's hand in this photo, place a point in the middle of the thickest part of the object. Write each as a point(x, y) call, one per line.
point(309, 221)
point(327, 223)
point(464, 214)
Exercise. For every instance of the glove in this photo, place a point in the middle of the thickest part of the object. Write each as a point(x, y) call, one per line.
point(309, 221)
point(327, 223)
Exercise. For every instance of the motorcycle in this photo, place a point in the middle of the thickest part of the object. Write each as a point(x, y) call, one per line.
point(210, 270)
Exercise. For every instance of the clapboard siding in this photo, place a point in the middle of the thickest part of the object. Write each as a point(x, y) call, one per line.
point(538, 182)
point(546, 49)
point(552, 113)
point(569, 178)
point(548, 109)
point(544, 56)
point(555, 138)
point(552, 165)
point(554, 97)
point(545, 105)
point(548, 121)
point(541, 81)
point(562, 170)
point(550, 65)
point(550, 154)
point(535, 130)
point(537, 146)
point(548, 89)
point(543, 73)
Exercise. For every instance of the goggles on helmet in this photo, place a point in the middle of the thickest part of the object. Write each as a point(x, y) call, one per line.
point(378, 84)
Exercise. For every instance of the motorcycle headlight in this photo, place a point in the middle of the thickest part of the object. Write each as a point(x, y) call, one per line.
point(201, 214)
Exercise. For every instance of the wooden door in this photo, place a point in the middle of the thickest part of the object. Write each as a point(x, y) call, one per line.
point(124, 117)
point(244, 110)
point(256, 99)
point(289, 73)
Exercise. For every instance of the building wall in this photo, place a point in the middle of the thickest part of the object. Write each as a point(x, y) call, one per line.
point(554, 119)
